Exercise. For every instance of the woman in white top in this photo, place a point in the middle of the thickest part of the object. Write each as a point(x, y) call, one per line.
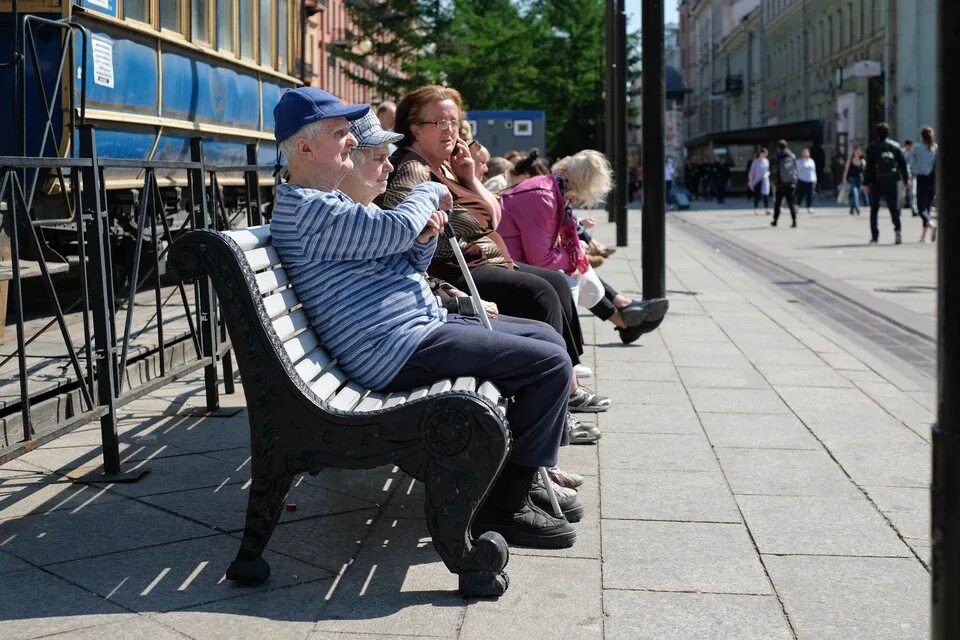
point(923, 163)
point(806, 179)
point(759, 180)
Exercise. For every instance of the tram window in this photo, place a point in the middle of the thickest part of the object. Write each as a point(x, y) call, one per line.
point(265, 39)
point(245, 18)
point(200, 21)
point(137, 10)
point(282, 35)
point(170, 15)
point(225, 24)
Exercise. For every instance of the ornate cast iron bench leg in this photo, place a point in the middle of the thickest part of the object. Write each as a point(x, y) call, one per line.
point(263, 511)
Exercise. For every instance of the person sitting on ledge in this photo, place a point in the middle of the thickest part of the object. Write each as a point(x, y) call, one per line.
point(357, 270)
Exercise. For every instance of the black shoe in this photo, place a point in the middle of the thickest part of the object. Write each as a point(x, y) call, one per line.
point(873, 241)
point(583, 400)
point(640, 312)
point(509, 510)
point(569, 505)
point(773, 223)
point(794, 225)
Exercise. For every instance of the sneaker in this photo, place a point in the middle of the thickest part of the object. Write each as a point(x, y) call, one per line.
point(583, 400)
point(583, 372)
point(641, 312)
point(510, 511)
point(565, 478)
point(873, 241)
point(897, 239)
point(773, 223)
point(793, 225)
point(579, 433)
point(566, 498)
point(606, 252)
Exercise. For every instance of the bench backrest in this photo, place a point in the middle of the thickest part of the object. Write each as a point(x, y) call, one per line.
point(288, 320)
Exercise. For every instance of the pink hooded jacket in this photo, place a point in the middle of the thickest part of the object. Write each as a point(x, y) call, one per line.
point(530, 225)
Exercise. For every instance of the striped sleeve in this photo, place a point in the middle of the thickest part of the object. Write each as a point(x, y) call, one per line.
point(336, 229)
point(420, 255)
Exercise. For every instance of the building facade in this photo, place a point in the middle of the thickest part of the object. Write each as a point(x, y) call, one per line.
point(811, 71)
point(329, 25)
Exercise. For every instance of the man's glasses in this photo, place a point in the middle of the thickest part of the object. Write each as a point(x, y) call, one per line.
point(443, 124)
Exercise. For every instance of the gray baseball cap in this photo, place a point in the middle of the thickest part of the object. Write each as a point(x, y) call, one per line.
point(369, 133)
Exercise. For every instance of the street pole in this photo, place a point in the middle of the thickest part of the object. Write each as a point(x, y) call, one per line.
point(620, 126)
point(945, 490)
point(609, 80)
point(888, 43)
point(654, 240)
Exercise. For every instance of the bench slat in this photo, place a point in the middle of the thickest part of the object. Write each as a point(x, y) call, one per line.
point(286, 326)
point(280, 303)
point(465, 384)
point(371, 402)
point(440, 387)
point(348, 397)
point(251, 237)
point(262, 258)
point(301, 345)
point(311, 365)
point(419, 392)
point(270, 281)
point(328, 382)
point(490, 391)
point(396, 398)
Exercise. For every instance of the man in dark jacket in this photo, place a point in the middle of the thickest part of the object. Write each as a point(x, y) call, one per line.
point(784, 175)
point(886, 166)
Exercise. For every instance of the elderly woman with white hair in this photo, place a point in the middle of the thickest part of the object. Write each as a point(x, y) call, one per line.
point(539, 228)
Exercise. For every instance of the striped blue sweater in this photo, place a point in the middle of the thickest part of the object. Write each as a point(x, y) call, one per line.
point(358, 271)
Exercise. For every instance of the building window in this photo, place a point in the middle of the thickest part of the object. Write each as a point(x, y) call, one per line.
point(282, 35)
point(225, 24)
point(137, 10)
point(245, 20)
point(170, 15)
point(266, 41)
point(200, 21)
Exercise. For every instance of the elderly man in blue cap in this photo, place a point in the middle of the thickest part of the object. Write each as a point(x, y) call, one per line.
point(358, 271)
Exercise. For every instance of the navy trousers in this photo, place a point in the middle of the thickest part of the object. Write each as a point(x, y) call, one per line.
point(887, 192)
point(526, 359)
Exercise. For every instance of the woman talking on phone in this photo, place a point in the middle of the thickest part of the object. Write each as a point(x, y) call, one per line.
point(429, 119)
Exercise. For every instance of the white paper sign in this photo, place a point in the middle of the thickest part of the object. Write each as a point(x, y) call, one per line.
point(102, 60)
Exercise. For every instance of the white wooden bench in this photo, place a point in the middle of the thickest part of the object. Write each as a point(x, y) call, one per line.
point(305, 414)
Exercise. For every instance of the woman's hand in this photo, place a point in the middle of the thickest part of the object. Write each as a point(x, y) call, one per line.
point(433, 228)
point(490, 308)
point(446, 200)
point(588, 223)
point(462, 164)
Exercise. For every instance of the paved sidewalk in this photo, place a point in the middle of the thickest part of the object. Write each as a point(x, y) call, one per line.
point(760, 477)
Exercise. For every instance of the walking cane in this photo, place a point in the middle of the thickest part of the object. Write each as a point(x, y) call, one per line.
point(478, 309)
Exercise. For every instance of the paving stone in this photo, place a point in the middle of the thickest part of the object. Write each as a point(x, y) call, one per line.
point(780, 356)
point(132, 627)
point(844, 360)
point(649, 418)
point(643, 371)
point(652, 393)
point(757, 431)
point(680, 556)
point(783, 473)
point(547, 598)
point(179, 574)
point(706, 355)
point(42, 605)
point(819, 526)
point(646, 615)
point(29, 497)
point(802, 376)
point(225, 508)
point(371, 485)
point(698, 496)
point(908, 509)
point(831, 598)
point(397, 584)
point(737, 401)
point(724, 377)
point(103, 528)
point(655, 451)
point(287, 613)
point(895, 465)
point(10, 563)
point(644, 350)
point(581, 458)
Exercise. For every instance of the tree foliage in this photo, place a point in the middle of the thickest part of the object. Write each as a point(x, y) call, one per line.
point(500, 54)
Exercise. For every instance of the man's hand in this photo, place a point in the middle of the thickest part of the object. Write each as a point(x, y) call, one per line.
point(433, 228)
point(446, 200)
point(490, 308)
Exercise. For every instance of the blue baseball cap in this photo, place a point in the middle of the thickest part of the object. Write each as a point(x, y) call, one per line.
point(301, 106)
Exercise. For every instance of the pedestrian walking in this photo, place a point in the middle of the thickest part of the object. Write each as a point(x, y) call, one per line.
point(886, 166)
point(758, 180)
point(785, 175)
point(668, 172)
point(853, 177)
point(909, 194)
point(923, 162)
point(806, 180)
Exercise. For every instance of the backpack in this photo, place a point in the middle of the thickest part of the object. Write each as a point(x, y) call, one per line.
point(888, 171)
point(789, 174)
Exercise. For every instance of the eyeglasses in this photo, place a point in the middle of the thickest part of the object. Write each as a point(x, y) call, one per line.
point(443, 124)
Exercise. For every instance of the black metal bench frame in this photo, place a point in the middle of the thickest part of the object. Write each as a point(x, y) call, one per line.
point(455, 441)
